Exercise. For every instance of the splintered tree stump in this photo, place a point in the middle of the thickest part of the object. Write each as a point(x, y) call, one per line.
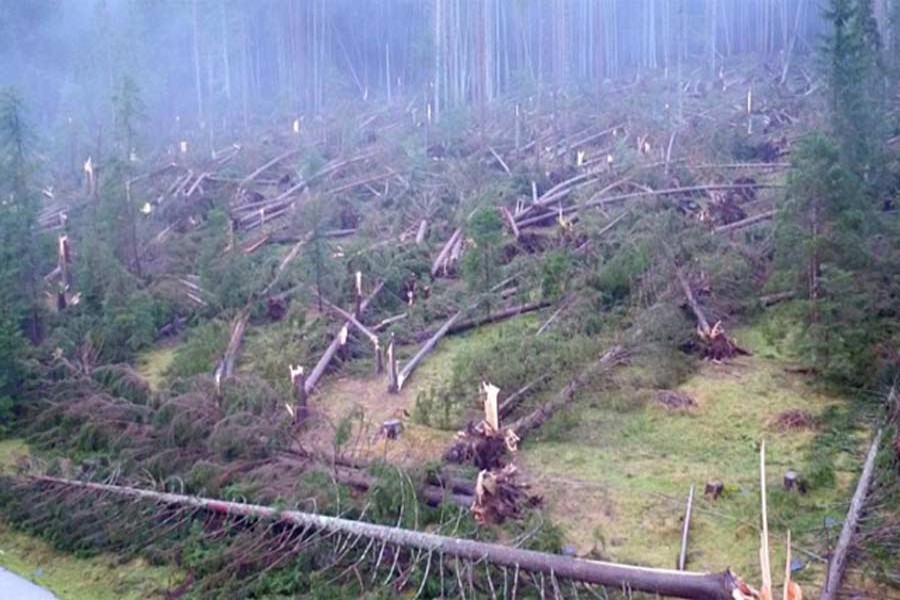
point(391, 428)
point(714, 489)
point(793, 482)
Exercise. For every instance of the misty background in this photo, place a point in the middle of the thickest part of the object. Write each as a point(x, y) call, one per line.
point(214, 66)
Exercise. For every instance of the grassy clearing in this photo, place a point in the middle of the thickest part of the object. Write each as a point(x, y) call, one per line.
point(100, 577)
point(342, 396)
point(152, 364)
point(616, 469)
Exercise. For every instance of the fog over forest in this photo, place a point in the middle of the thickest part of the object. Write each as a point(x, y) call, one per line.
point(220, 64)
point(429, 299)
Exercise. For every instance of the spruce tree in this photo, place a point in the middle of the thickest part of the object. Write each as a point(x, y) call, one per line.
point(852, 57)
point(19, 237)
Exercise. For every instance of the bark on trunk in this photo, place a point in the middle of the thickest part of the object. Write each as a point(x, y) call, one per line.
point(537, 418)
point(665, 582)
point(335, 344)
point(839, 557)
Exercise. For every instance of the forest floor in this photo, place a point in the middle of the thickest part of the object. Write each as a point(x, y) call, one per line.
point(70, 577)
point(629, 463)
point(615, 468)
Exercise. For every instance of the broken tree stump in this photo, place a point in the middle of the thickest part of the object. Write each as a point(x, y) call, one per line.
point(793, 482)
point(714, 489)
point(392, 428)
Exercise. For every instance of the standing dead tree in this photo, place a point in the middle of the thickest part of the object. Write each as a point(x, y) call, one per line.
point(417, 546)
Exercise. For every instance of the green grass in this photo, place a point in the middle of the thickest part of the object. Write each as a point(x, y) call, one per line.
point(617, 467)
point(100, 577)
point(11, 449)
point(153, 363)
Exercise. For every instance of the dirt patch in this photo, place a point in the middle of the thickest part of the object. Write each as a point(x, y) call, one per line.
point(359, 408)
point(674, 400)
point(793, 420)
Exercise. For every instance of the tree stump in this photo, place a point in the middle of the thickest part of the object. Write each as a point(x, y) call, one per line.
point(714, 489)
point(794, 483)
point(391, 428)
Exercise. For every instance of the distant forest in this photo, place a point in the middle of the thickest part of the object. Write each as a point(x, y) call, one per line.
point(221, 63)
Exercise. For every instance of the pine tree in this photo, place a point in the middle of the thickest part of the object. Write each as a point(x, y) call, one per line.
point(481, 261)
point(852, 56)
point(19, 238)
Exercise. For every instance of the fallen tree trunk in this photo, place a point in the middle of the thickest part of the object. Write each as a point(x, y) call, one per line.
point(335, 344)
point(630, 196)
point(766, 216)
point(537, 418)
point(665, 582)
point(702, 321)
point(429, 345)
point(507, 313)
point(267, 166)
point(442, 255)
point(225, 368)
point(510, 403)
point(718, 346)
point(288, 258)
point(839, 557)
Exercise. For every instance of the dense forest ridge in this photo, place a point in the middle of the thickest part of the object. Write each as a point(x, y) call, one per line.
point(579, 238)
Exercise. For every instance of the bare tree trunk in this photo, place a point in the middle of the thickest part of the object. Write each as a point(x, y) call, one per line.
point(693, 586)
point(839, 556)
point(196, 42)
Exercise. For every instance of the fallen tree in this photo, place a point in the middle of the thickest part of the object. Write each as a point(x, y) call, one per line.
point(716, 344)
point(749, 221)
point(336, 343)
point(602, 201)
point(494, 317)
point(839, 557)
point(679, 584)
point(536, 418)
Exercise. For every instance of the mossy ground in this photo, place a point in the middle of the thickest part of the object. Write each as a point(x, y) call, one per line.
point(616, 468)
point(100, 577)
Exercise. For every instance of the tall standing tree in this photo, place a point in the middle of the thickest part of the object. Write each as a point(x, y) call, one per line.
point(19, 236)
point(852, 56)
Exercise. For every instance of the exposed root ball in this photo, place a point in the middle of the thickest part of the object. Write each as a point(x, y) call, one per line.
point(475, 446)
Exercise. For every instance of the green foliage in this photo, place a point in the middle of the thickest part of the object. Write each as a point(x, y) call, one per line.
point(852, 61)
point(19, 238)
point(555, 274)
point(11, 345)
point(834, 246)
point(204, 346)
point(524, 356)
point(480, 263)
point(616, 277)
point(129, 109)
point(229, 277)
